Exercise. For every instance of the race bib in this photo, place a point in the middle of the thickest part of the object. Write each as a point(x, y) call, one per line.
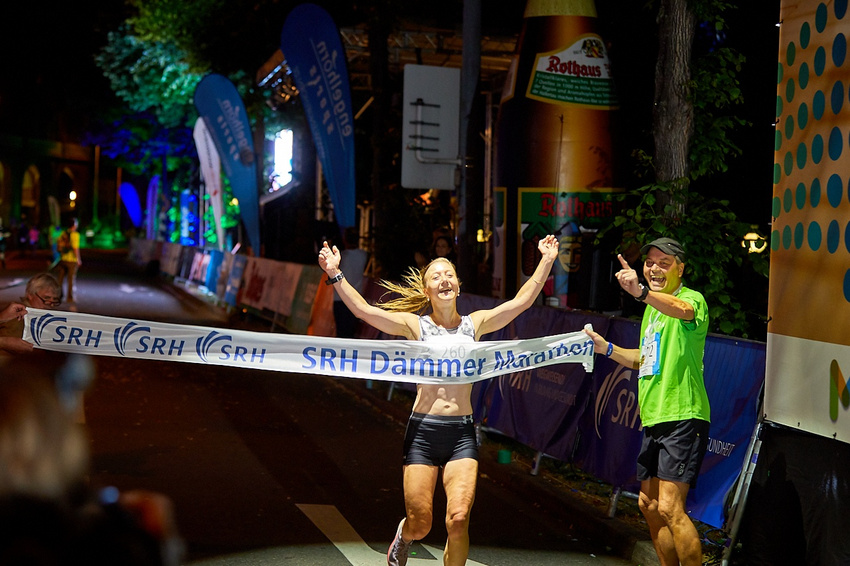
point(649, 359)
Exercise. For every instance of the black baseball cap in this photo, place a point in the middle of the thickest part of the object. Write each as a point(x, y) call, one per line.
point(668, 246)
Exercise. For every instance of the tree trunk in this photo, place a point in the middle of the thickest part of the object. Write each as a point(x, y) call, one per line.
point(673, 113)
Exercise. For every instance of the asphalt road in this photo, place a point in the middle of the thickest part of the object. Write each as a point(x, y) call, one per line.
point(274, 468)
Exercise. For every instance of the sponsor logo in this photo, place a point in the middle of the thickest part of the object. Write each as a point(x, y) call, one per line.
point(205, 343)
point(40, 324)
point(133, 338)
point(838, 390)
point(123, 334)
point(614, 390)
point(216, 347)
point(718, 446)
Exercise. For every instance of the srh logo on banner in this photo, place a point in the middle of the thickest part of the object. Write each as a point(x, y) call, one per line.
point(616, 386)
point(205, 344)
point(123, 334)
point(39, 325)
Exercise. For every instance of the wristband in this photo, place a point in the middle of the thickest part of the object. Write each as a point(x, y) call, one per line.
point(644, 291)
point(610, 350)
point(335, 279)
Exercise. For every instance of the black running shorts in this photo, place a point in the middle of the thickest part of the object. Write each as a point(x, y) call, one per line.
point(673, 451)
point(435, 440)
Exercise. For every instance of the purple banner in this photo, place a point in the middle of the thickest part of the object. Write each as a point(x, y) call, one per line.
point(552, 398)
point(611, 428)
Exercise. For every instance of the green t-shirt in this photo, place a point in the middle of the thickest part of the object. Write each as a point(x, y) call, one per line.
point(677, 391)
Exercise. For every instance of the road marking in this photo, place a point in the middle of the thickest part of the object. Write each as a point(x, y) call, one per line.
point(343, 536)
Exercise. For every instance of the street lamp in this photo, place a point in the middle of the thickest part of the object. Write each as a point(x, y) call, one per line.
point(754, 243)
point(73, 196)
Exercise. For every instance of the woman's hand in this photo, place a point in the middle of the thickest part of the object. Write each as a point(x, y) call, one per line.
point(329, 259)
point(548, 247)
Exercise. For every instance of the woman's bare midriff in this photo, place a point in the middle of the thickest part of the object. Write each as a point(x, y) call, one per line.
point(449, 400)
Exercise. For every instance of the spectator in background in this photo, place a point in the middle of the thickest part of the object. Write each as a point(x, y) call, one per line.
point(443, 246)
point(50, 516)
point(33, 238)
point(42, 453)
point(53, 233)
point(68, 246)
point(42, 292)
point(353, 261)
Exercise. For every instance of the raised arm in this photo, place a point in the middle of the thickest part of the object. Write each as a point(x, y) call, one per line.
point(395, 323)
point(487, 321)
point(664, 302)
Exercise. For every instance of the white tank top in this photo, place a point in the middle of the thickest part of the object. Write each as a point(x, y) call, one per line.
point(428, 331)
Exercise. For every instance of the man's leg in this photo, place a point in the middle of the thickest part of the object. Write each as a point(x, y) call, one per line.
point(662, 538)
point(72, 279)
point(459, 480)
point(59, 273)
point(671, 506)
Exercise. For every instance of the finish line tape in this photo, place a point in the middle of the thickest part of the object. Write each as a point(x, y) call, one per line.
point(387, 360)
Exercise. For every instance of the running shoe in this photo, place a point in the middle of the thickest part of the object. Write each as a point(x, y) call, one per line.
point(397, 554)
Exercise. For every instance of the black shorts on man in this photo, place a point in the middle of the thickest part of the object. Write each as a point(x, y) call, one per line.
point(673, 451)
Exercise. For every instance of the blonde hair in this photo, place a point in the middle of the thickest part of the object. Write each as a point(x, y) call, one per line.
point(411, 291)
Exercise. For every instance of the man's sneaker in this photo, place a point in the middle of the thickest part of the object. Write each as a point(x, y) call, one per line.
point(397, 554)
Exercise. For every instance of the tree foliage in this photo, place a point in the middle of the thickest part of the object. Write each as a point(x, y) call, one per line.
point(178, 23)
point(150, 76)
point(709, 230)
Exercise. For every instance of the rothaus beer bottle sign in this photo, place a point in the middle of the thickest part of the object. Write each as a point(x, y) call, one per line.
point(555, 156)
point(579, 74)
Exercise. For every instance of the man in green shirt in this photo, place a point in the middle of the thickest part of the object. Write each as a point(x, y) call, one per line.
point(673, 403)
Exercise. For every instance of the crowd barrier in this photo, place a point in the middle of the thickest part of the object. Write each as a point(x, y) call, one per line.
point(588, 419)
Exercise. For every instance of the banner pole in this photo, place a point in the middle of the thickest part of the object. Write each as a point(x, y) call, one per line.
point(739, 501)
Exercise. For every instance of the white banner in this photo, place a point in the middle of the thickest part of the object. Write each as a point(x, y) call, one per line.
point(211, 174)
point(387, 360)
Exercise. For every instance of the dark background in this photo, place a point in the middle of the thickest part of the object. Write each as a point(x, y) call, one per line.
point(50, 87)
